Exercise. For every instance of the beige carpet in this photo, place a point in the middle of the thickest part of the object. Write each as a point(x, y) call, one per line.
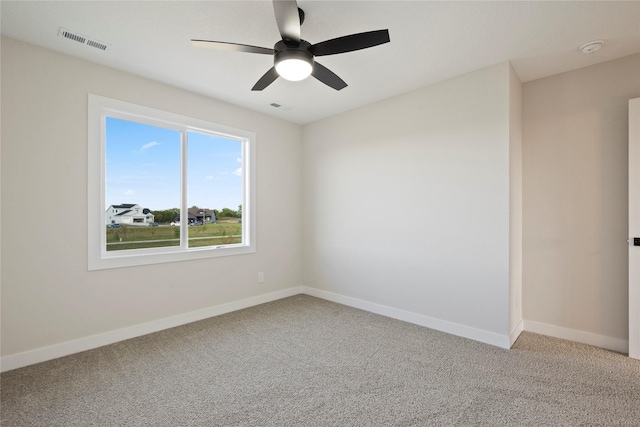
point(303, 361)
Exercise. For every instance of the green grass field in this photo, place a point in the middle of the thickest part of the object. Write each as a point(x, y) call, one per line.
point(136, 237)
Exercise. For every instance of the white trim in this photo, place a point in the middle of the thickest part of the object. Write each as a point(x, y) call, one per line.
point(515, 333)
point(97, 257)
point(464, 331)
point(55, 351)
point(634, 228)
point(609, 343)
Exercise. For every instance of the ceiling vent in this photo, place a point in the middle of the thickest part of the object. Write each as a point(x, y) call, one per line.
point(79, 38)
point(280, 106)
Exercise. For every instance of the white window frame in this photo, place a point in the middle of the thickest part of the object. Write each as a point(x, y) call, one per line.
point(98, 258)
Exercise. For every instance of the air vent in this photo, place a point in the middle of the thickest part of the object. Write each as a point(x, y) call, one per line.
point(73, 37)
point(97, 45)
point(280, 106)
point(76, 37)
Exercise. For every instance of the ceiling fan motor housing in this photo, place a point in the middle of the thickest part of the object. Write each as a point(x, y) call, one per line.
point(300, 51)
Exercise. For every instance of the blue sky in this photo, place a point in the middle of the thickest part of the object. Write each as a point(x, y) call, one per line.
point(143, 167)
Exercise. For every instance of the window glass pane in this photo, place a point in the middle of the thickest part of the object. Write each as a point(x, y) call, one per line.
point(142, 185)
point(214, 190)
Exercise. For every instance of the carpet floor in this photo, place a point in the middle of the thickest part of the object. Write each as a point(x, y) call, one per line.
point(303, 361)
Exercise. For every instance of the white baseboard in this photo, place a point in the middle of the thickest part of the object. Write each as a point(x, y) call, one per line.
point(487, 337)
point(55, 351)
point(615, 344)
point(515, 333)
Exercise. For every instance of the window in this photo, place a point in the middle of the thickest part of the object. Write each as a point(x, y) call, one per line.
point(165, 187)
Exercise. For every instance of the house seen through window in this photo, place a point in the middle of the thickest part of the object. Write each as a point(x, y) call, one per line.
point(170, 185)
point(143, 187)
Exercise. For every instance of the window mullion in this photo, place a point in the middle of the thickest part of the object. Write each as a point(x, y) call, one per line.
point(184, 212)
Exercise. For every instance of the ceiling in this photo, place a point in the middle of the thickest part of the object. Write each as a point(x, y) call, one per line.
point(430, 42)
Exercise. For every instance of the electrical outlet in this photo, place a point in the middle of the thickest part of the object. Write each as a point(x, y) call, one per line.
point(260, 277)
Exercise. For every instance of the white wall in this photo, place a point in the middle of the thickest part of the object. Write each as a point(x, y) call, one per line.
point(406, 204)
point(48, 296)
point(575, 263)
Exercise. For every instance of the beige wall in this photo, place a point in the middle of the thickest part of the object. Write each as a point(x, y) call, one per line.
point(48, 296)
point(406, 204)
point(515, 205)
point(575, 200)
point(410, 203)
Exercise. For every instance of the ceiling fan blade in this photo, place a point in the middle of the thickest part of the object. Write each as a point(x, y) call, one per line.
point(266, 80)
point(351, 43)
point(327, 77)
point(235, 47)
point(288, 19)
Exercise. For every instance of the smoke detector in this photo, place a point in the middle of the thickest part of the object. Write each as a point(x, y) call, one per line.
point(591, 46)
point(82, 39)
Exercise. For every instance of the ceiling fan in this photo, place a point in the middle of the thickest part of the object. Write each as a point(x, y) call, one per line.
point(293, 57)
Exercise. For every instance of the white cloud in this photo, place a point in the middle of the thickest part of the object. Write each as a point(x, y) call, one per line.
point(129, 192)
point(149, 145)
point(208, 177)
point(239, 160)
point(237, 172)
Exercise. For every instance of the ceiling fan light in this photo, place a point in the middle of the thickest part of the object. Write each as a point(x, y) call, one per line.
point(294, 69)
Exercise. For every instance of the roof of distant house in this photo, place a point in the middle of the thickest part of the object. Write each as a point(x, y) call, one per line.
point(198, 211)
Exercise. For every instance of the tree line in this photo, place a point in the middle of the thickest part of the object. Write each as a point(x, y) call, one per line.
point(170, 215)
